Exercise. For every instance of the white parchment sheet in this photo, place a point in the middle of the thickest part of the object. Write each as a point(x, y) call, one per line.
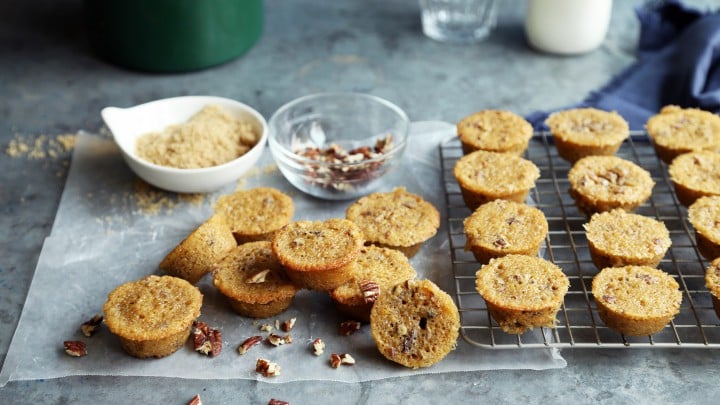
point(103, 236)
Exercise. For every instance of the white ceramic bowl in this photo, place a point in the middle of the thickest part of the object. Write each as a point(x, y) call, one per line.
point(127, 124)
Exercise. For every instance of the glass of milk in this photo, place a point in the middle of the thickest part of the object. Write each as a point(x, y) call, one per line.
point(567, 27)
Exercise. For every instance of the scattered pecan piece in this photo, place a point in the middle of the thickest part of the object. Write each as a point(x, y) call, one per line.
point(259, 277)
point(266, 327)
point(206, 340)
point(318, 346)
point(347, 328)
point(279, 340)
point(288, 325)
point(500, 243)
point(370, 291)
point(90, 327)
point(335, 360)
point(248, 343)
point(341, 359)
point(75, 348)
point(195, 400)
point(274, 401)
point(267, 368)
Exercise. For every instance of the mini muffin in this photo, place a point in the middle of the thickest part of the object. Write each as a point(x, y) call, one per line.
point(200, 251)
point(704, 215)
point(415, 324)
point(254, 281)
point(494, 131)
point(318, 254)
point(503, 227)
point(398, 220)
point(695, 175)
point(584, 132)
point(487, 176)
point(152, 316)
point(522, 292)
point(375, 271)
point(255, 214)
point(603, 183)
point(636, 300)
point(712, 282)
point(675, 131)
point(617, 238)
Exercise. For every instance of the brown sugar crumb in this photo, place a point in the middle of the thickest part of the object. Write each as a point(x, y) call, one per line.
point(40, 147)
point(210, 138)
point(151, 201)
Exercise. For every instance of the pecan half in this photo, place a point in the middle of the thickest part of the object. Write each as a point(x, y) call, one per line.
point(288, 325)
point(206, 340)
point(248, 343)
point(279, 340)
point(318, 346)
point(267, 368)
point(90, 327)
point(370, 291)
point(75, 348)
point(347, 328)
point(195, 400)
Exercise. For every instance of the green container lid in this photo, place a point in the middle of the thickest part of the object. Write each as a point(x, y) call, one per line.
point(172, 35)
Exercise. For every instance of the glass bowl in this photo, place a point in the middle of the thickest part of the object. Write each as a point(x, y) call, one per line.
point(337, 146)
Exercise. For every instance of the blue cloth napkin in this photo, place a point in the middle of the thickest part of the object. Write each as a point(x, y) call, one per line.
point(678, 63)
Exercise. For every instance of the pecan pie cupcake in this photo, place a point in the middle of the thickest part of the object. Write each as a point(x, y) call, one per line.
point(503, 227)
point(494, 131)
point(415, 323)
point(583, 132)
point(636, 300)
point(603, 183)
point(522, 292)
point(704, 215)
point(676, 130)
point(712, 282)
point(617, 238)
point(153, 316)
point(255, 214)
point(318, 254)
point(487, 176)
point(695, 175)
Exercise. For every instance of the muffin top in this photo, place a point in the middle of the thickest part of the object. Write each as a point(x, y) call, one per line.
point(704, 215)
point(588, 126)
point(256, 211)
point(685, 129)
point(152, 308)
point(519, 282)
point(637, 292)
point(397, 218)
point(496, 173)
point(623, 234)
point(610, 178)
point(712, 278)
point(505, 226)
point(699, 171)
point(317, 245)
point(251, 273)
point(494, 130)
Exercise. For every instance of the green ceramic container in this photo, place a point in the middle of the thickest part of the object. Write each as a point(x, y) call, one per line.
point(172, 35)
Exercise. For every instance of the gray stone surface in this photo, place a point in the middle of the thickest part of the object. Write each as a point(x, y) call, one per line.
point(50, 84)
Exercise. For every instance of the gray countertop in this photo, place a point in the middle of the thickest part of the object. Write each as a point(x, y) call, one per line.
point(51, 84)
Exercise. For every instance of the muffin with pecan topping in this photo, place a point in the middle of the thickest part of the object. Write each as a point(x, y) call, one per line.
point(494, 131)
point(255, 214)
point(584, 132)
point(704, 215)
point(695, 175)
point(676, 130)
point(712, 282)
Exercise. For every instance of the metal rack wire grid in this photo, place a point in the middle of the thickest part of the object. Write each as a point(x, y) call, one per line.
point(578, 324)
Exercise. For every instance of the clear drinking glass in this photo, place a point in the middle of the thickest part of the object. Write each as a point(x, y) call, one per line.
point(458, 21)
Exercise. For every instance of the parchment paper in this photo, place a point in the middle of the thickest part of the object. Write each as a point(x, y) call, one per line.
point(104, 236)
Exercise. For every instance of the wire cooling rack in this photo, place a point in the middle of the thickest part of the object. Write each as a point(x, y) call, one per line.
point(579, 325)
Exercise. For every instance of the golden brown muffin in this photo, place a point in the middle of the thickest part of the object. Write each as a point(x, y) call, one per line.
point(675, 131)
point(584, 132)
point(522, 292)
point(603, 183)
point(695, 175)
point(152, 316)
point(374, 272)
point(494, 131)
point(255, 214)
point(318, 254)
point(502, 227)
point(397, 220)
point(704, 215)
point(254, 281)
point(617, 238)
point(636, 300)
point(200, 251)
point(487, 176)
point(712, 282)
point(415, 324)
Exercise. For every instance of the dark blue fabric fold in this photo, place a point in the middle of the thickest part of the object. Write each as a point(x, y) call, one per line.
point(678, 63)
